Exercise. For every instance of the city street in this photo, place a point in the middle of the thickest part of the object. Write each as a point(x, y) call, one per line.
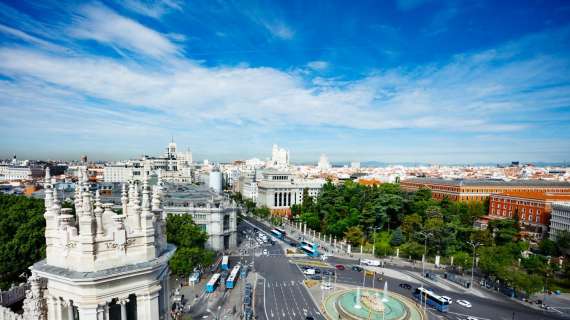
point(286, 298)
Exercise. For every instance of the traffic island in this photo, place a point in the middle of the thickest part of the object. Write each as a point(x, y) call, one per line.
point(367, 303)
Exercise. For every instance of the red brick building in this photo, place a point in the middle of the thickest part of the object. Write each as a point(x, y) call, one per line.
point(472, 189)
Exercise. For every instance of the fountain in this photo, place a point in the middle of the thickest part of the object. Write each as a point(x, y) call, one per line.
point(367, 304)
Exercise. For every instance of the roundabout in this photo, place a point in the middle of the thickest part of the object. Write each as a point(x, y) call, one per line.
point(368, 303)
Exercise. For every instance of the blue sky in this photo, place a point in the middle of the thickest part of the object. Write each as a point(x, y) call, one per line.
point(393, 81)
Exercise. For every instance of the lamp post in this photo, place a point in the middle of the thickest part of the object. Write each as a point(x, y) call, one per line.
point(473, 244)
point(373, 239)
point(425, 235)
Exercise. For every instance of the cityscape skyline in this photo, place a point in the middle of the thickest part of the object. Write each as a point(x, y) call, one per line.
point(403, 81)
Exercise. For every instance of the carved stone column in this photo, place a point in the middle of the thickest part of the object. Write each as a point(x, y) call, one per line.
point(69, 306)
point(123, 302)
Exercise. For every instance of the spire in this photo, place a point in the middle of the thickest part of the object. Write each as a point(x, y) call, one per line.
point(98, 214)
point(145, 197)
point(124, 199)
point(48, 176)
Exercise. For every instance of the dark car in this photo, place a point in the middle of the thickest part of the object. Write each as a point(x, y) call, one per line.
point(357, 268)
point(247, 301)
point(405, 286)
point(327, 272)
point(309, 318)
point(339, 267)
point(317, 270)
point(316, 277)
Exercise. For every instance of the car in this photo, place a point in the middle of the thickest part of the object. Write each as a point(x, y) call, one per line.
point(464, 303)
point(471, 318)
point(373, 263)
point(448, 299)
point(317, 270)
point(316, 277)
point(309, 318)
point(309, 271)
point(339, 267)
point(328, 273)
point(265, 252)
point(357, 268)
point(405, 286)
point(247, 300)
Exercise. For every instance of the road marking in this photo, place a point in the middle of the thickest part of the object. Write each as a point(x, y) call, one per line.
point(467, 315)
point(265, 309)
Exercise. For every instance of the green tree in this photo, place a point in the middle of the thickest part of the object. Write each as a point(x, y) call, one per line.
point(22, 238)
point(186, 259)
point(413, 249)
point(412, 223)
point(183, 232)
point(354, 235)
point(262, 212)
point(548, 248)
point(463, 259)
point(397, 237)
point(383, 246)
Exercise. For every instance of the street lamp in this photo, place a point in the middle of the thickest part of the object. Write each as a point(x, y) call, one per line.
point(473, 244)
point(425, 235)
point(374, 238)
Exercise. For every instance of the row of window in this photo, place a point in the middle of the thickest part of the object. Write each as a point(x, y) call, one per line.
point(522, 216)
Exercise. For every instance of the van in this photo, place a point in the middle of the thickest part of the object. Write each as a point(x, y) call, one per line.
point(373, 263)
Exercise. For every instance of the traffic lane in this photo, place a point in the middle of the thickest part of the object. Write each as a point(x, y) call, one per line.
point(277, 268)
point(289, 300)
point(267, 230)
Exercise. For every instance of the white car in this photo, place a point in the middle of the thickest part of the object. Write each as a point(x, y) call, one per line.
point(265, 252)
point(471, 318)
point(309, 272)
point(373, 263)
point(448, 299)
point(464, 303)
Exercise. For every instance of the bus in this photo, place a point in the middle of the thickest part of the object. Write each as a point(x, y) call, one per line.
point(277, 234)
point(431, 299)
point(231, 280)
point(309, 248)
point(281, 230)
point(213, 283)
point(225, 263)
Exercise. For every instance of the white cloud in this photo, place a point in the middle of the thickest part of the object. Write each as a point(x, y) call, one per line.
point(99, 23)
point(29, 38)
point(318, 65)
point(152, 8)
point(280, 30)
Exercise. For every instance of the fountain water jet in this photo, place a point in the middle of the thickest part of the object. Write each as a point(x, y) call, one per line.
point(385, 295)
point(357, 305)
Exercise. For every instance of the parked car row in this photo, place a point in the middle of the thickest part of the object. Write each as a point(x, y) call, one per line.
point(247, 301)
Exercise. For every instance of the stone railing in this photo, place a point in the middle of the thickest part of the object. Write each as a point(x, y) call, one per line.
point(7, 314)
point(13, 295)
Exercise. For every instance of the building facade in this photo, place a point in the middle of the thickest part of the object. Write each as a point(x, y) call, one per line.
point(280, 190)
point(480, 190)
point(173, 166)
point(104, 265)
point(215, 213)
point(532, 209)
point(559, 219)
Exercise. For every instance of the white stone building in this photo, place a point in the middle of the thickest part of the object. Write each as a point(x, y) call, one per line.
point(279, 190)
point(173, 166)
point(104, 265)
point(559, 219)
point(279, 157)
point(215, 213)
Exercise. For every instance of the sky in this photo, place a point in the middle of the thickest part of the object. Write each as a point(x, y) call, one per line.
point(392, 81)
